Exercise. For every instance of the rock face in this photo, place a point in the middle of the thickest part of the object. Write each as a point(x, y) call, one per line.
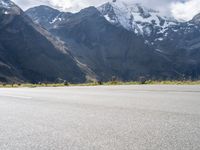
point(48, 16)
point(29, 53)
point(196, 19)
point(127, 41)
point(104, 50)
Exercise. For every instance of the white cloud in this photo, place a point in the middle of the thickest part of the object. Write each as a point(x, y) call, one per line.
point(25, 4)
point(185, 10)
point(74, 5)
point(64, 5)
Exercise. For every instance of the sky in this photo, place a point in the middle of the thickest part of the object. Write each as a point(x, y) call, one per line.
point(180, 9)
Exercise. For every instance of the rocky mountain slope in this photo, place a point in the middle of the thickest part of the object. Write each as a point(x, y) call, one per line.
point(127, 41)
point(177, 42)
point(104, 48)
point(29, 53)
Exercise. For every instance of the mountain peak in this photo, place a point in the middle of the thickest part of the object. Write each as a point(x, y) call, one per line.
point(6, 4)
point(196, 19)
point(8, 7)
point(133, 16)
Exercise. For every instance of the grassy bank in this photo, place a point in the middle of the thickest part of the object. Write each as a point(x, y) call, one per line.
point(103, 83)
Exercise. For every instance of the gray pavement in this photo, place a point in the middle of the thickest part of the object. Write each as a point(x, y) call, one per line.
point(100, 118)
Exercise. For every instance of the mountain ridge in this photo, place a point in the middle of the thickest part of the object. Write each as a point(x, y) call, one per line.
point(88, 29)
point(29, 53)
point(134, 17)
point(44, 44)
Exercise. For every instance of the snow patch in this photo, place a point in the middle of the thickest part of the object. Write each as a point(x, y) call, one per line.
point(135, 17)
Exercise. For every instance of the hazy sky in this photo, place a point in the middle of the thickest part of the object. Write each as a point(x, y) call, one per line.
point(180, 9)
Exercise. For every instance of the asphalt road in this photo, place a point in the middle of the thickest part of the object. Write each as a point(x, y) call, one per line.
point(100, 118)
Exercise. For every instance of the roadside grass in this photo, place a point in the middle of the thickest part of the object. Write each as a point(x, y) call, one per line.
point(28, 85)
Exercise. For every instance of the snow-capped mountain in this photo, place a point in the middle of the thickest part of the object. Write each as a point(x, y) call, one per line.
point(126, 40)
point(8, 7)
point(135, 17)
point(157, 30)
point(132, 16)
point(6, 4)
point(49, 17)
point(120, 39)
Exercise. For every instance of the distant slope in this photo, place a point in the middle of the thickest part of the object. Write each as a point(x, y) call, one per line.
point(107, 50)
point(29, 53)
point(107, 44)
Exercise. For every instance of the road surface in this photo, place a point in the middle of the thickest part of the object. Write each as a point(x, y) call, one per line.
point(100, 118)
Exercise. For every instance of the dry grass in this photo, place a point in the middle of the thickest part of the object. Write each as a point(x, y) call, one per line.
point(103, 83)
